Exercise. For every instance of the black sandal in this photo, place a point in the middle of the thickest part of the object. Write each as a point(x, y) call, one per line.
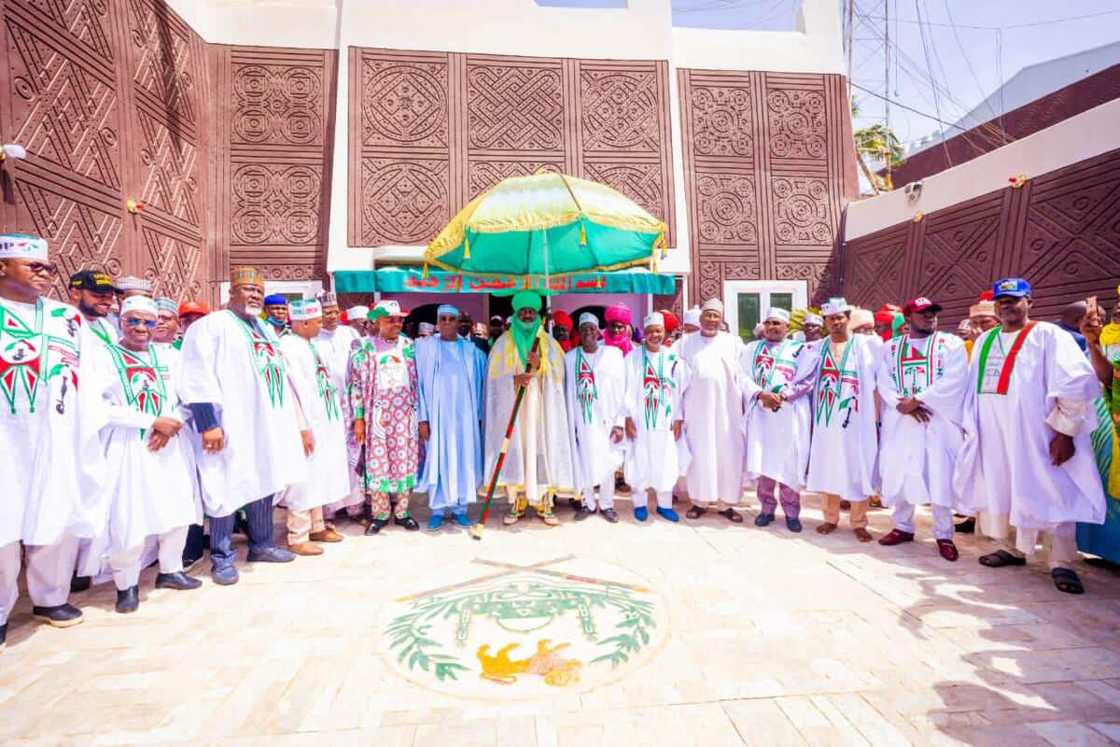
point(1000, 558)
point(732, 515)
point(1067, 580)
point(696, 512)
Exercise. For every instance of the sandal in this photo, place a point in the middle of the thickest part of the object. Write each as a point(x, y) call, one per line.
point(1066, 580)
point(862, 534)
point(732, 515)
point(826, 528)
point(696, 512)
point(1000, 558)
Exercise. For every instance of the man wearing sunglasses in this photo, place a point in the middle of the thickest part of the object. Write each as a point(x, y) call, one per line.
point(48, 435)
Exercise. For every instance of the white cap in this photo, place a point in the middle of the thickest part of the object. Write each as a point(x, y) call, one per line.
point(812, 319)
point(138, 305)
point(713, 304)
point(692, 316)
point(304, 310)
point(357, 312)
point(22, 246)
point(778, 314)
point(836, 305)
point(385, 308)
point(132, 283)
point(427, 327)
point(655, 318)
point(588, 318)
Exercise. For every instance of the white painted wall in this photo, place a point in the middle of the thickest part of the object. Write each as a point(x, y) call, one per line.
point(641, 30)
point(1080, 137)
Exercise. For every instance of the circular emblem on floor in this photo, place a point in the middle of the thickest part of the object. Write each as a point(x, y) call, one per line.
point(525, 630)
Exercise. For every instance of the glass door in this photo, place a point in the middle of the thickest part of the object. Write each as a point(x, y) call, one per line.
point(747, 301)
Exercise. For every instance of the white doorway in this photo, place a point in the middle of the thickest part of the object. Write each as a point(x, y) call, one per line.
point(747, 301)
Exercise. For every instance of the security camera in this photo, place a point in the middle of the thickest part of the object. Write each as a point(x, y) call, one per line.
point(913, 191)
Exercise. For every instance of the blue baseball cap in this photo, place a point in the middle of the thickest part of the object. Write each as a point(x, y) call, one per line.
point(1014, 287)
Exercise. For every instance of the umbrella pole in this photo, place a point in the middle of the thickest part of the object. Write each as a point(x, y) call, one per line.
point(476, 530)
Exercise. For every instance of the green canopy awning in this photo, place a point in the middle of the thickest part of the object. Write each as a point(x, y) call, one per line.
point(406, 280)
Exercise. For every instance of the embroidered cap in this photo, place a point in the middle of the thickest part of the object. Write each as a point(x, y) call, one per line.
point(245, 276)
point(137, 305)
point(588, 318)
point(692, 316)
point(427, 328)
point(163, 303)
point(777, 314)
point(327, 298)
point(304, 310)
point(835, 305)
point(812, 319)
point(655, 319)
point(1014, 287)
point(386, 309)
point(22, 246)
point(712, 304)
point(133, 284)
point(921, 303)
point(446, 309)
point(354, 313)
point(861, 318)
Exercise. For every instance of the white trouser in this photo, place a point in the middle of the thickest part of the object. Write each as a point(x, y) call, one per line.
point(606, 494)
point(126, 564)
point(942, 519)
point(664, 499)
point(49, 569)
point(1063, 539)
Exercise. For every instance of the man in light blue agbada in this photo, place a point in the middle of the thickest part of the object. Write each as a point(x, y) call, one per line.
point(452, 373)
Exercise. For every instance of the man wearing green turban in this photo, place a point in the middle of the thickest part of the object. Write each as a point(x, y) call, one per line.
point(539, 460)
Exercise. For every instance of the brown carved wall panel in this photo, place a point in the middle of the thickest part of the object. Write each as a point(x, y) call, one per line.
point(430, 130)
point(768, 166)
point(1059, 230)
point(273, 130)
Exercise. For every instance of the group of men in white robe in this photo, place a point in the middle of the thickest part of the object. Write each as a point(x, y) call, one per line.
point(122, 442)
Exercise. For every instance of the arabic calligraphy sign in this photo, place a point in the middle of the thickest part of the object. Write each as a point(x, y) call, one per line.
point(401, 280)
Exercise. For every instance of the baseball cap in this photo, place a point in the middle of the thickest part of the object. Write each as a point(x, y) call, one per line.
point(921, 303)
point(1014, 287)
point(92, 280)
point(193, 307)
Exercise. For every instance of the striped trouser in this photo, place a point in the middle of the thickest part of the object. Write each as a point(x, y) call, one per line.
point(259, 515)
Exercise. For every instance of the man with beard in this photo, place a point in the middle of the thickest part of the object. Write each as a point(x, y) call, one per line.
point(151, 486)
point(383, 403)
point(1028, 460)
point(49, 419)
point(619, 334)
point(562, 326)
point(596, 382)
point(93, 292)
point(778, 420)
point(189, 313)
point(235, 382)
point(713, 416)
point(921, 381)
point(539, 460)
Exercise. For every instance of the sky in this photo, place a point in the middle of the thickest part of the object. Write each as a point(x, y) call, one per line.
point(970, 47)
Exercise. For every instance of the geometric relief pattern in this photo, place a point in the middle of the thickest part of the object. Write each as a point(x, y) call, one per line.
point(276, 204)
point(172, 263)
point(722, 123)
point(797, 127)
point(278, 104)
point(404, 201)
point(404, 103)
point(877, 271)
point(430, 131)
point(726, 209)
point(620, 111)
point(162, 65)
point(514, 108)
point(767, 163)
point(801, 214)
point(170, 165)
point(956, 260)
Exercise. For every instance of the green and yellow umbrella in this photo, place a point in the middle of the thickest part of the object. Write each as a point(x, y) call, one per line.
point(548, 224)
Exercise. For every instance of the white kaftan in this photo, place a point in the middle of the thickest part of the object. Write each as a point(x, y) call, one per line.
point(1005, 466)
point(239, 369)
point(540, 453)
point(844, 449)
point(917, 460)
point(50, 415)
point(778, 442)
point(595, 384)
point(336, 345)
point(147, 492)
point(655, 385)
point(713, 417)
point(320, 399)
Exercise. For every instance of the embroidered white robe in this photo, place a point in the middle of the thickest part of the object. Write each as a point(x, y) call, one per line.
point(655, 385)
point(596, 384)
point(244, 379)
point(917, 460)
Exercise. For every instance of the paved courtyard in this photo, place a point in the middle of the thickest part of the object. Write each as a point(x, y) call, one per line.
point(702, 633)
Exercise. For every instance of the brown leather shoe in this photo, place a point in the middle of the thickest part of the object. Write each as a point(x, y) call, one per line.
point(327, 535)
point(948, 550)
point(306, 548)
point(896, 537)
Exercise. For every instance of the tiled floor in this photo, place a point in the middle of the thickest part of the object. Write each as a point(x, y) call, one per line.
point(762, 637)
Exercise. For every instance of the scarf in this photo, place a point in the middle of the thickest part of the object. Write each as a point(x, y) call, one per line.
point(622, 342)
point(523, 335)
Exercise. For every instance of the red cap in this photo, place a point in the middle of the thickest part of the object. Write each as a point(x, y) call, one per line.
point(671, 321)
point(563, 319)
point(188, 308)
point(921, 303)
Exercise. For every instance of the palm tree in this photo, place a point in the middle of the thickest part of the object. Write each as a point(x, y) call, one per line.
point(878, 143)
